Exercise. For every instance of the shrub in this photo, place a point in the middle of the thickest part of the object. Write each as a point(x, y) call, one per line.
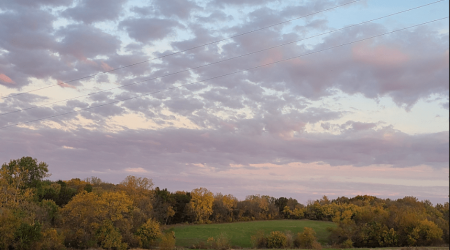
point(149, 233)
point(167, 241)
point(277, 240)
point(347, 244)
point(290, 238)
point(316, 245)
point(306, 239)
point(259, 240)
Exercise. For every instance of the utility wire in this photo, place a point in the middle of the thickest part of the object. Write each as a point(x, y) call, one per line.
point(228, 74)
point(182, 51)
point(209, 64)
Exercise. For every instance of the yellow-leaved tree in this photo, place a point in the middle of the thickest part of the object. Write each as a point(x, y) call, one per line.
point(201, 204)
point(85, 214)
point(19, 227)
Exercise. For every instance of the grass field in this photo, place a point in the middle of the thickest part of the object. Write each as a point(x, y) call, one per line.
point(239, 233)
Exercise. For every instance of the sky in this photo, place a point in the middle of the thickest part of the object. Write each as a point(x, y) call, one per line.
point(274, 97)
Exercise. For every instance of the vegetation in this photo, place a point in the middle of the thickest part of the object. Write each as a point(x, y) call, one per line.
point(36, 213)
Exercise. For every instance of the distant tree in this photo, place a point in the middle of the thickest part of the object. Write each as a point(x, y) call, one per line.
point(140, 191)
point(201, 204)
point(163, 205)
point(223, 207)
point(95, 181)
point(32, 171)
point(281, 203)
point(83, 216)
point(181, 200)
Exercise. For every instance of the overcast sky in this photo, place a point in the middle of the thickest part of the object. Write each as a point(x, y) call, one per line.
point(368, 117)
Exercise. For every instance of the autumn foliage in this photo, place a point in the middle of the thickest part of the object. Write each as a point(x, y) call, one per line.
point(36, 213)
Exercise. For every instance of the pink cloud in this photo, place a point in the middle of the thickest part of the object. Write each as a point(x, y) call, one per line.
point(274, 56)
point(65, 85)
point(379, 55)
point(106, 67)
point(4, 78)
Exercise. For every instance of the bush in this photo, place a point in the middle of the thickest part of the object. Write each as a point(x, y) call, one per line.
point(290, 238)
point(277, 240)
point(167, 241)
point(316, 245)
point(149, 233)
point(347, 244)
point(259, 240)
point(306, 239)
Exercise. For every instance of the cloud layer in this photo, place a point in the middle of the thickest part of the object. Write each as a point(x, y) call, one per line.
point(261, 112)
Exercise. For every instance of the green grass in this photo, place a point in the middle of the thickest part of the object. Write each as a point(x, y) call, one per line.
point(240, 233)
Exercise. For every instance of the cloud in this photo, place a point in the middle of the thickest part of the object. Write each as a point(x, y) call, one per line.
point(304, 162)
point(358, 126)
point(263, 117)
point(136, 170)
point(239, 3)
point(146, 30)
point(85, 42)
point(180, 8)
point(4, 78)
point(88, 12)
point(36, 3)
point(65, 85)
point(378, 55)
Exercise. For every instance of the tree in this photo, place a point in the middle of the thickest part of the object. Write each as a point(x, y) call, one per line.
point(181, 200)
point(9, 223)
point(109, 237)
point(139, 190)
point(281, 203)
point(148, 233)
point(95, 181)
point(34, 172)
point(83, 216)
point(223, 207)
point(13, 188)
point(201, 204)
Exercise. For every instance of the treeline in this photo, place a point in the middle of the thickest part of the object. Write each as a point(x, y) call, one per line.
point(36, 213)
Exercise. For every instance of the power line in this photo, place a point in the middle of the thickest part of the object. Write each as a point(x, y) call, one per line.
point(182, 51)
point(228, 74)
point(209, 64)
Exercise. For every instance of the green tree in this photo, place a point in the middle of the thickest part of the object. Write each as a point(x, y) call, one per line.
point(35, 172)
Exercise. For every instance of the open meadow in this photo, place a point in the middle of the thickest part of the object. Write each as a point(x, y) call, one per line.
point(239, 233)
